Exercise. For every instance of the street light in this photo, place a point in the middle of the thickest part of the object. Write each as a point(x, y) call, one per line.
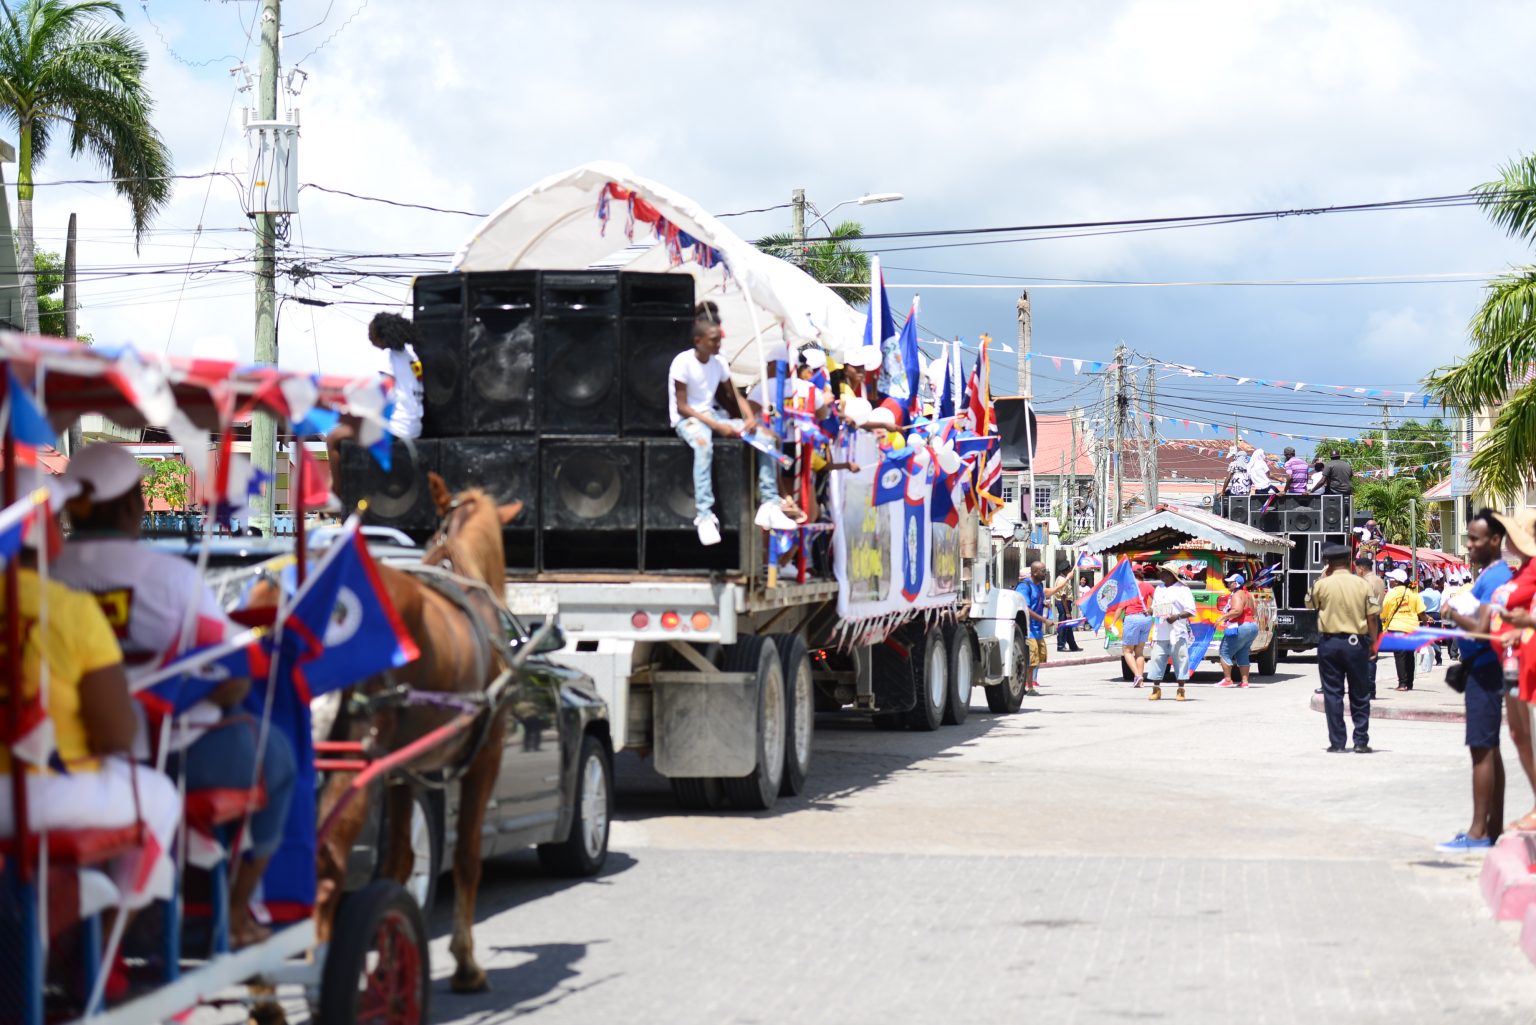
point(868, 199)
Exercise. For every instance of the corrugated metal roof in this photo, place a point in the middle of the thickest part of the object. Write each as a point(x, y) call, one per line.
point(1176, 528)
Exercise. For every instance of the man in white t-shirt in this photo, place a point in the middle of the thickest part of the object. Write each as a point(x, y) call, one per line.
point(693, 382)
point(396, 337)
point(147, 596)
point(1173, 606)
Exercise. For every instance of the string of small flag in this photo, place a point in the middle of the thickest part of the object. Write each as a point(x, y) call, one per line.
point(1364, 392)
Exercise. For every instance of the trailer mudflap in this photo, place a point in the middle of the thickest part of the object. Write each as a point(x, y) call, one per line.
point(705, 724)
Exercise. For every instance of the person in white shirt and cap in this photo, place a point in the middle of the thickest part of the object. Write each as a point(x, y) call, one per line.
point(160, 608)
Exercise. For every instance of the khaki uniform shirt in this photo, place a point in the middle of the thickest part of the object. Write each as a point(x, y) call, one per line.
point(1378, 586)
point(1344, 603)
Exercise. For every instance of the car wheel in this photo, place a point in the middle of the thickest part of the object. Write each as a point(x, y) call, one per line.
point(585, 847)
point(961, 644)
point(799, 711)
point(1267, 660)
point(759, 789)
point(932, 683)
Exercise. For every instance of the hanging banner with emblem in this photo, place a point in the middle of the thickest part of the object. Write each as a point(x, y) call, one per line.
point(891, 560)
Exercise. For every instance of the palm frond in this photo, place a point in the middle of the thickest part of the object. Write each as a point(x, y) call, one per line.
point(1506, 455)
point(1510, 201)
point(1504, 333)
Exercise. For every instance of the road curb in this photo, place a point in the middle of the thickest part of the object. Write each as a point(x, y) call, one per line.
point(1089, 661)
point(1381, 711)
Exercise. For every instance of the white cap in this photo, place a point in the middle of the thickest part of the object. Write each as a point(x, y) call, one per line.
point(813, 358)
point(866, 356)
point(103, 471)
point(1400, 575)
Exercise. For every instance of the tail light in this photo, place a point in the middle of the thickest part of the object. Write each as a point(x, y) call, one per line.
point(670, 620)
point(700, 621)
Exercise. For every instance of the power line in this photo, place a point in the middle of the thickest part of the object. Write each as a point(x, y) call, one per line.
point(391, 202)
point(327, 40)
point(178, 58)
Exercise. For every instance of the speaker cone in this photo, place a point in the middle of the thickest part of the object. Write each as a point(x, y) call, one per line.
point(588, 484)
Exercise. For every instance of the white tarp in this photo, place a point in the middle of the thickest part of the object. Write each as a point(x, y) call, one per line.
point(554, 226)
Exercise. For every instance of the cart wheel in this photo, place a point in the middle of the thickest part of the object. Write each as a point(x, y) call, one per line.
point(377, 969)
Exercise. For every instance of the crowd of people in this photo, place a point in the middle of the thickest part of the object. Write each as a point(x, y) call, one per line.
point(1252, 473)
point(107, 612)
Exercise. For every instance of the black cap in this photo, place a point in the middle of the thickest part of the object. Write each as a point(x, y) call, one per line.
point(1333, 553)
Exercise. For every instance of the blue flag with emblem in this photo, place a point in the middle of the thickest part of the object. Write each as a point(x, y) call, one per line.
point(1117, 589)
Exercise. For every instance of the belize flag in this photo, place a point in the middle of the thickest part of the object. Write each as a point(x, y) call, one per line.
point(181, 684)
point(1117, 589)
point(28, 424)
point(1414, 640)
point(891, 478)
point(342, 627)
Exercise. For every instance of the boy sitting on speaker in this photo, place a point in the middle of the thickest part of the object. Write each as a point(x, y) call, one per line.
point(396, 336)
point(697, 379)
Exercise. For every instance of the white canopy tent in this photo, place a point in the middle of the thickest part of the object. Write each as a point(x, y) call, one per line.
point(554, 225)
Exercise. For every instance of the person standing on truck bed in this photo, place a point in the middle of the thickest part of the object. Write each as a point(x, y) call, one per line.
point(696, 378)
point(1298, 471)
point(1338, 476)
point(395, 336)
point(1348, 622)
point(1032, 588)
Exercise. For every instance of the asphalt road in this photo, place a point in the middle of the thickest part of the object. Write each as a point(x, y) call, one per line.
point(1096, 858)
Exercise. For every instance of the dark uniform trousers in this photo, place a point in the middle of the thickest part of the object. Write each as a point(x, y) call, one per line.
point(1341, 658)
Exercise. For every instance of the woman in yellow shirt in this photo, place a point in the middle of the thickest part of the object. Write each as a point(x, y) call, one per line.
point(1402, 611)
point(93, 722)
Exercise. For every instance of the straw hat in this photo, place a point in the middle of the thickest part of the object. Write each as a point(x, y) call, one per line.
point(1520, 531)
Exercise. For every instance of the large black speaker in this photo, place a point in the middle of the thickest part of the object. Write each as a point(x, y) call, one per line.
point(1236, 508)
point(1303, 519)
point(439, 320)
point(578, 353)
point(508, 470)
point(589, 503)
point(671, 541)
point(398, 497)
point(1019, 432)
point(1333, 512)
point(500, 330)
point(657, 295)
point(650, 346)
point(1297, 584)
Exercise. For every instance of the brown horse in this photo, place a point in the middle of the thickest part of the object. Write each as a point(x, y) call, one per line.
point(457, 657)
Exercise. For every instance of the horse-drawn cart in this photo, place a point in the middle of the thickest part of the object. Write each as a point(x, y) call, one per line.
point(355, 956)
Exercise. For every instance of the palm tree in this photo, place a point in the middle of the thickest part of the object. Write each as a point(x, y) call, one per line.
point(67, 67)
point(1498, 372)
point(1394, 502)
point(834, 261)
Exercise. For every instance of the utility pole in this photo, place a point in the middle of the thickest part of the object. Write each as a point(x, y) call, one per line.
point(74, 437)
point(263, 427)
point(1069, 507)
point(1121, 405)
point(1026, 383)
point(1102, 464)
point(797, 226)
point(1386, 438)
point(1151, 459)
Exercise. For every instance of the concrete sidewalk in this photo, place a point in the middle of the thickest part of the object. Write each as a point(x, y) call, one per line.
point(1429, 701)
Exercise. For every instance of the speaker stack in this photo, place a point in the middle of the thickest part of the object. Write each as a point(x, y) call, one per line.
point(550, 388)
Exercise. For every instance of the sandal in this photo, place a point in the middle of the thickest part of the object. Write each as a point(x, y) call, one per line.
point(1523, 825)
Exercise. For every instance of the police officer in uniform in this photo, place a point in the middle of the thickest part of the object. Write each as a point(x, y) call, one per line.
point(1349, 620)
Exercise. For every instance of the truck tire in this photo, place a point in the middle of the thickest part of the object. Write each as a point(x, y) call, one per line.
point(961, 643)
point(932, 663)
point(702, 794)
point(1267, 659)
point(759, 789)
point(799, 711)
point(1007, 697)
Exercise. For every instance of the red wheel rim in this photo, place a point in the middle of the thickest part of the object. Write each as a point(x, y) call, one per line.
point(389, 990)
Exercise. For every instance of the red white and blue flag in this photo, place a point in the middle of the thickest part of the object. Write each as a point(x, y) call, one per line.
point(1118, 589)
point(184, 682)
point(342, 627)
point(17, 521)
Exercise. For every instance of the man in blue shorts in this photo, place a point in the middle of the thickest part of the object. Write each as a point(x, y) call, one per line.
point(1484, 692)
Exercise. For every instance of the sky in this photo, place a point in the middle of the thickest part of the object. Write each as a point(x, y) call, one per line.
point(979, 113)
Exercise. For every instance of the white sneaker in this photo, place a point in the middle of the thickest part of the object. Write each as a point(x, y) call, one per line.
point(708, 528)
point(771, 516)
